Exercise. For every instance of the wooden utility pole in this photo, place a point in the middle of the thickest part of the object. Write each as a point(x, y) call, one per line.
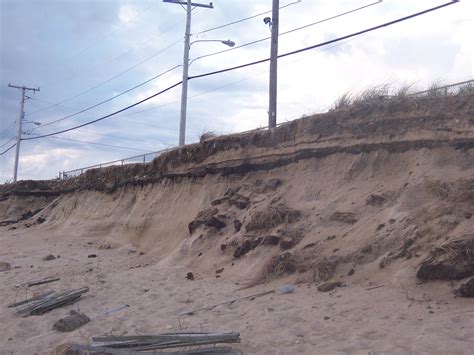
point(272, 109)
point(19, 126)
point(187, 45)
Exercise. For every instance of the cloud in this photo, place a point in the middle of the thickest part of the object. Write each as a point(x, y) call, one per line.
point(84, 43)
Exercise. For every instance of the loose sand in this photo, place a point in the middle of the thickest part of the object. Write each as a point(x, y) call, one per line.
point(350, 319)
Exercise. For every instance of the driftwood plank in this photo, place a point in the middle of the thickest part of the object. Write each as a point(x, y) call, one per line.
point(204, 351)
point(51, 301)
point(226, 302)
point(36, 298)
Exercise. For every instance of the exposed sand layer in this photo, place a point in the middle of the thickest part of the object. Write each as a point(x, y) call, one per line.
point(372, 196)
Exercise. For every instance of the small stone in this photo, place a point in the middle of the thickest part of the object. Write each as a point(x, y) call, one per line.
point(4, 266)
point(467, 215)
point(326, 318)
point(287, 243)
point(223, 247)
point(190, 276)
point(218, 271)
point(329, 286)
point(49, 257)
point(351, 272)
point(237, 225)
point(285, 289)
point(90, 256)
point(103, 245)
point(271, 240)
point(215, 223)
point(466, 289)
point(243, 249)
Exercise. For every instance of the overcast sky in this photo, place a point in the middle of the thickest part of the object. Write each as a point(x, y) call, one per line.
point(81, 52)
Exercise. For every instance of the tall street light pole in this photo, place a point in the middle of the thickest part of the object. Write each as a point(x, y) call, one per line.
point(19, 126)
point(272, 107)
point(184, 90)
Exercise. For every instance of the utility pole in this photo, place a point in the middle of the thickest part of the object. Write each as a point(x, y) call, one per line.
point(272, 109)
point(19, 126)
point(187, 46)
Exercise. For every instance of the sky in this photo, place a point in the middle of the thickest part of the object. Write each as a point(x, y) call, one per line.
point(82, 52)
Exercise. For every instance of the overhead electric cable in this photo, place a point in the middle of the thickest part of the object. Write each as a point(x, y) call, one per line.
point(108, 80)
point(213, 89)
point(8, 128)
point(10, 140)
point(289, 31)
point(6, 150)
point(244, 19)
point(107, 116)
point(386, 24)
point(110, 99)
point(102, 144)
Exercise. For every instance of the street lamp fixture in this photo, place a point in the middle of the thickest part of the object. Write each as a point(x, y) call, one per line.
point(228, 42)
point(36, 123)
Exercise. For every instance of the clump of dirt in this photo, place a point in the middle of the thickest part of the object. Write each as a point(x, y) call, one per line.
point(461, 190)
point(329, 286)
point(466, 289)
point(451, 261)
point(375, 200)
point(272, 217)
point(344, 217)
point(246, 246)
point(207, 218)
point(4, 266)
point(72, 322)
point(233, 198)
point(268, 186)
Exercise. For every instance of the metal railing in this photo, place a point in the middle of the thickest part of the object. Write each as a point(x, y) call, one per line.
point(143, 158)
point(446, 89)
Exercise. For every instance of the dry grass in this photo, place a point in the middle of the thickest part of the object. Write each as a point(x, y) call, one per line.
point(272, 217)
point(407, 91)
point(456, 251)
point(322, 271)
point(276, 267)
point(206, 135)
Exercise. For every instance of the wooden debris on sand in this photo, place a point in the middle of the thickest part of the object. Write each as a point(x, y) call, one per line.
point(227, 302)
point(147, 343)
point(48, 301)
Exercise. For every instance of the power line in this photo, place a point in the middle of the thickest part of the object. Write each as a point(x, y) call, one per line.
point(110, 99)
point(4, 144)
point(108, 80)
point(101, 144)
point(109, 115)
point(242, 20)
point(247, 44)
point(212, 90)
point(8, 128)
point(8, 149)
point(386, 24)
point(290, 31)
point(89, 131)
point(211, 54)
